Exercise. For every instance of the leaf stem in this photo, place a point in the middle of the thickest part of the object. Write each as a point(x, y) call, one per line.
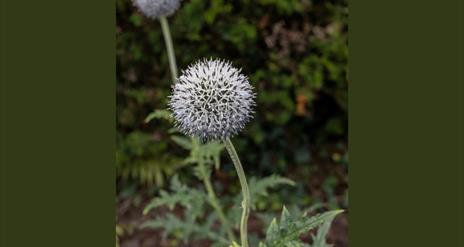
point(245, 191)
point(169, 47)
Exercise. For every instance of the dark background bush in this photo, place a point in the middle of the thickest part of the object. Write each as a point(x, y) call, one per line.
point(294, 51)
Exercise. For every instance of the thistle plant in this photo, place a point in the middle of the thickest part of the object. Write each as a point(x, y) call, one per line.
point(212, 100)
point(160, 9)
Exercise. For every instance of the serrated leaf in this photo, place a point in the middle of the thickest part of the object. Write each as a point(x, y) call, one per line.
point(205, 156)
point(180, 195)
point(288, 235)
point(320, 239)
point(272, 231)
point(202, 171)
point(261, 187)
point(191, 225)
point(285, 219)
point(171, 225)
point(165, 199)
point(210, 152)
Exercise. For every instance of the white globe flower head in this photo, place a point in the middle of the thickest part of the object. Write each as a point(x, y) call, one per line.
point(212, 100)
point(157, 8)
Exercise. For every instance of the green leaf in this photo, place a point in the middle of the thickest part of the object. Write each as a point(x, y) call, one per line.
point(181, 195)
point(192, 224)
point(182, 141)
point(287, 233)
point(210, 152)
point(261, 187)
point(285, 219)
point(207, 154)
point(150, 171)
point(159, 114)
point(320, 239)
point(272, 231)
point(174, 226)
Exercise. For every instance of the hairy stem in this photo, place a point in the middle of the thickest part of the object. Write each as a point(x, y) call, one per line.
point(169, 47)
point(245, 191)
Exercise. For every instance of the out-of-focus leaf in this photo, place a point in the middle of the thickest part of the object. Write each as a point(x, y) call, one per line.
point(159, 114)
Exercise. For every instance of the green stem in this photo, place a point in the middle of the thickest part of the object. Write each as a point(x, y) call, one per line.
point(169, 47)
point(214, 202)
point(246, 203)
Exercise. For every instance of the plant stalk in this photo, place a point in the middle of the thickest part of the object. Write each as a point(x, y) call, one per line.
point(215, 203)
point(245, 191)
point(206, 178)
point(169, 47)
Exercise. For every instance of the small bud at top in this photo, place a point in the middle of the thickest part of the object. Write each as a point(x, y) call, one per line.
point(157, 8)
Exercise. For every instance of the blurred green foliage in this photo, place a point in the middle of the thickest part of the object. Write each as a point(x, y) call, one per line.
point(198, 221)
point(294, 52)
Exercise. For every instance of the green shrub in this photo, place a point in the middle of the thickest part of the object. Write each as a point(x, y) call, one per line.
point(295, 53)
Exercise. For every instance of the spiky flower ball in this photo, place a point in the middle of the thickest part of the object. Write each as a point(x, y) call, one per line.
point(157, 8)
point(212, 100)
